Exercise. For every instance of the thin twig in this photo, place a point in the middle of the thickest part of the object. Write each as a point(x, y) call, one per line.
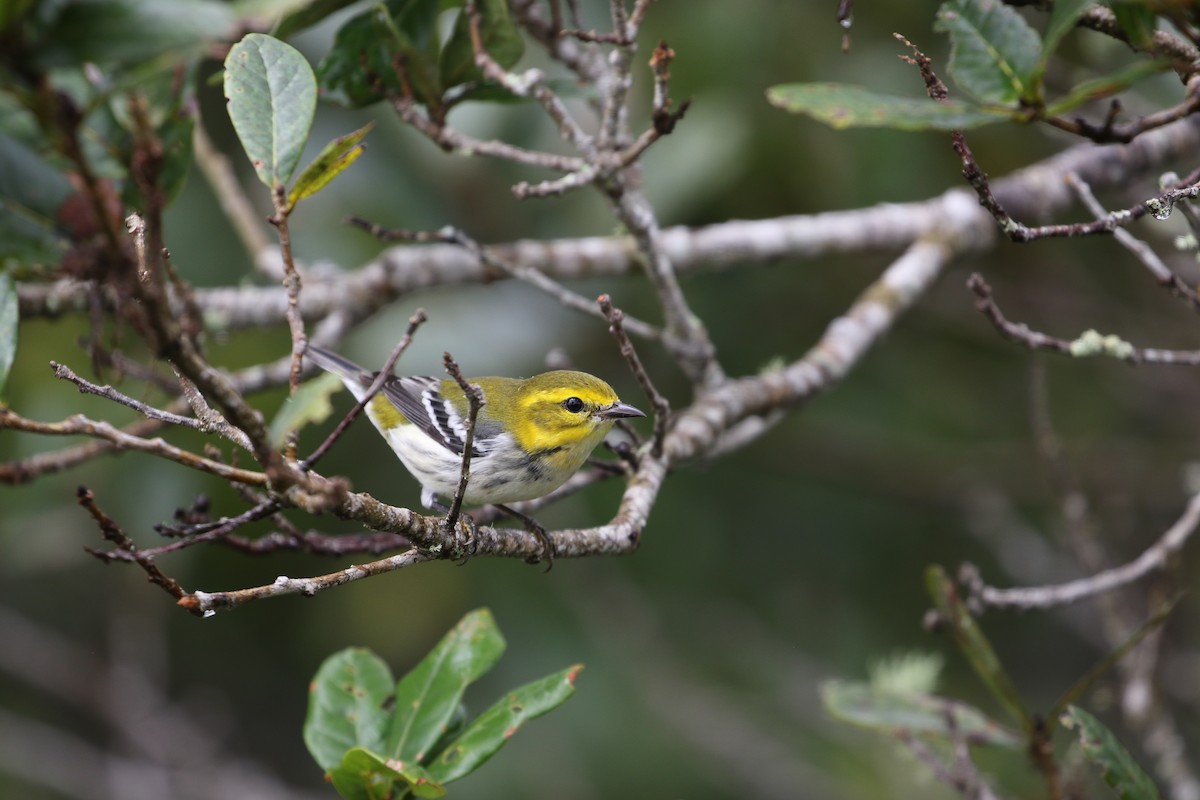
point(662, 407)
point(125, 365)
point(638, 15)
point(290, 537)
point(584, 59)
point(291, 281)
point(181, 350)
point(113, 533)
point(475, 401)
point(212, 422)
point(209, 416)
point(599, 37)
point(1159, 206)
point(249, 380)
point(1183, 53)
point(558, 186)
point(1142, 251)
point(79, 425)
point(318, 544)
point(198, 534)
point(617, 79)
point(687, 339)
point(1089, 344)
point(1109, 131)
point(962, 776)
point(663, 117)
point(531, 84)
point(454, 141)
point(211, 602)
point(500, 265)
point(394, 234)
point(845, 18)
point(1156, 557)
point(534, 277)
point(63, 372)
point(414, 322)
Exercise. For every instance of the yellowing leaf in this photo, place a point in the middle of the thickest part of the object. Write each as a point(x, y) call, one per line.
point(329, 163)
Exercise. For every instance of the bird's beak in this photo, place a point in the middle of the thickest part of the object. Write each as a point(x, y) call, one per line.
point(619, 410)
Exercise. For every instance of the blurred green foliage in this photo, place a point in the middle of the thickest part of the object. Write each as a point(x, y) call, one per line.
point(378, 738)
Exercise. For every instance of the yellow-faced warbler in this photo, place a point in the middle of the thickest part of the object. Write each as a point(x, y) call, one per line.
point(530, 435)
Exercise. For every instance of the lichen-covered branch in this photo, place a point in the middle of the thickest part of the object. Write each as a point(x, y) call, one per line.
point(1036, 191)
point(1155, 557)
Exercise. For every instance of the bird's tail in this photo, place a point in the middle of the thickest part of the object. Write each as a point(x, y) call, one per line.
point(355, 377)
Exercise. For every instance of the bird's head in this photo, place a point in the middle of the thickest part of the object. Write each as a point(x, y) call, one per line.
point(564, 410)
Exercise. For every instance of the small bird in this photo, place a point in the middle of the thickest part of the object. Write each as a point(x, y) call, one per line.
point(531, 434)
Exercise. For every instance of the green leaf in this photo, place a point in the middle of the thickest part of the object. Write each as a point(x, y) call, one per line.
point(329, 163)
point(16, 119)
point(1062, 20)
point(361, 67)
point(298, 15)
point(993, 51)
point(501, 39)
point(28, 183)
point(852, 107)
point(1138, 19)
point(176, 136)
point(272, 96)
point(363, 775)
point(1105, 664)
point(973, 644)
point(426, 698)
point(491, 729)
point(892, 712)
point(9, 317)
point(124, 32)
point(1107, 85)
point(26, 247)
point(348, 706)
point(32, 196)
point(454, 728)
point(309, 405)
point(1118, 767)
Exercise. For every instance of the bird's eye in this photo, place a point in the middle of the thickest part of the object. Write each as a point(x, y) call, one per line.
point(573, 404)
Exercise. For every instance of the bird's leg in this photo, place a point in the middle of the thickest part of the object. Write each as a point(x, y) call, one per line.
point(464, 545)
point(538, 531)
point(470, 544)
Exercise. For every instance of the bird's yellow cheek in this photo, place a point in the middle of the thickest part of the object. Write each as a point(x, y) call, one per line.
point(569, 456)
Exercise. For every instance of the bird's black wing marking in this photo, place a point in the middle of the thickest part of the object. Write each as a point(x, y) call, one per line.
point(407, 394)
point(453, 425)
point(421, 401)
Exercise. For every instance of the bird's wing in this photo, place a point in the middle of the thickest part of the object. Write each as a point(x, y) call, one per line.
point(420, 399)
